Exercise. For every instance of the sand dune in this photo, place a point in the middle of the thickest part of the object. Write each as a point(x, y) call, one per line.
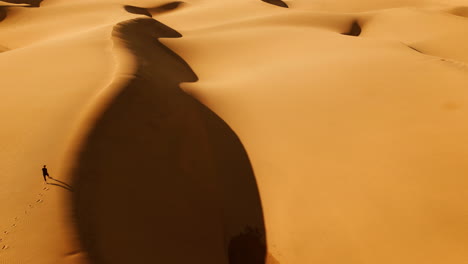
point(5, 6)
point(240, 132)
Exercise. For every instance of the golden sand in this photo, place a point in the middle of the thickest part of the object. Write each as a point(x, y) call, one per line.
point(234, 132)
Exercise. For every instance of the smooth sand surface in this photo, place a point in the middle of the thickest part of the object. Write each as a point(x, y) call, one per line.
point(237, 132)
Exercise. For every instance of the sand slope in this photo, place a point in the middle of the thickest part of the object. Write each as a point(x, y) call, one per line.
point(233, 132)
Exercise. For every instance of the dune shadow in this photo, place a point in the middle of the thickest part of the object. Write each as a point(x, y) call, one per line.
point(461, 11)
point(149, 12)
point(31, 3)
point(137, 10)
point(276, 3)
point(3, 48)
point(3, 13)
point(4, 8)
point(355, 30)
point(160, 177)
point(166, 7)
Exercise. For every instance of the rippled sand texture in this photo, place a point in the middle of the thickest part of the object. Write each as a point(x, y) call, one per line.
point(235, 132)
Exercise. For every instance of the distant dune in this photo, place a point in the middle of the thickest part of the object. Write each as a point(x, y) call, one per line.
point(234, 132)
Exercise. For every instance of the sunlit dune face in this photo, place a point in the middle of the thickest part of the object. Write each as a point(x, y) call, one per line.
point(350, 121)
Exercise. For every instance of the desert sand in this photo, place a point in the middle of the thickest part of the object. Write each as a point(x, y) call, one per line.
point(234, 132)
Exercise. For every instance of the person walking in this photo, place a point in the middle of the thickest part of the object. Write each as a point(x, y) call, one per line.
point(45, 173)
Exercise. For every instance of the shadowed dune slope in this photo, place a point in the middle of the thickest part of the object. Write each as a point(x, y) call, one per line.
point(3, 13)
point(276, 2)
point(161, 178)
point(460, 11)
point(9, 4)
point(137, 10)
point(149, 12)
point(165, 8)
point(355, 30)
point(34, 3)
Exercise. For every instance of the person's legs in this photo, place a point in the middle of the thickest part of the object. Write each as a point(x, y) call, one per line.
point(44, 177)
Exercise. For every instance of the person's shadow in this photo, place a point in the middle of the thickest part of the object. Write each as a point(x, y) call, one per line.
point(61, 184)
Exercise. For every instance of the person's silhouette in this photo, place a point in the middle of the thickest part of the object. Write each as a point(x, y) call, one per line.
point(45, 173)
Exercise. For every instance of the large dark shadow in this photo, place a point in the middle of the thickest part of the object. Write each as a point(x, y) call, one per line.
point(161, 178)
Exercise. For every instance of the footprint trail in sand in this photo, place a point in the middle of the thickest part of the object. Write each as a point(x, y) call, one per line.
point(7, 232)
